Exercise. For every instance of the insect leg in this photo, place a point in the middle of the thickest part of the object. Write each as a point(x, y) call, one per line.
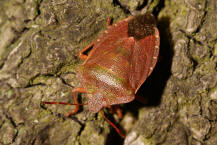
point(109, 22)
point(113, 125)
point(79, 90)
point(116, 109)
point(81, 53)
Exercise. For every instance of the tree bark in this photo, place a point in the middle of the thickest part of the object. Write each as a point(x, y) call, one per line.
point(39, 43)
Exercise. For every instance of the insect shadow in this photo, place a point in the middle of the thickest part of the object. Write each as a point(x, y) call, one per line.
point(152, 89)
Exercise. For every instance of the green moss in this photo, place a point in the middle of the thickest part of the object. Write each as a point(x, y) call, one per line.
point(132, 5)
point(183, 10)
point(213, 94)
point(97, 137)
point(215, 50)
point(148, 141)
point(67, 68)
point(42, 114)
point(10, 93)
point(184, 104)
point(208, 68)
point(43, 117)
point(153, 5)
point(39, 79)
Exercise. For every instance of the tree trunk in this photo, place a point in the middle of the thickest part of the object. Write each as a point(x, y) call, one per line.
point(39, 43)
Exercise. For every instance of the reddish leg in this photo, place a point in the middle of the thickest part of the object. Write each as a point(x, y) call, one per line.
point(116, 109)
point(109, 22)
point(81, 53)
point(113, 125)
point(79, 90)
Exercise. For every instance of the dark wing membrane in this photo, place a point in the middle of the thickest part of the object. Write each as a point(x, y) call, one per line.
point(144, 58)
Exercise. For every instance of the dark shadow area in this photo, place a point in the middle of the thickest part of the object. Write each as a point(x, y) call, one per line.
point(142, 5)
point(154, 86)
point(113, 137)
point(158, 8)
point(43, 136)
point(123, 7)
point(152, 89)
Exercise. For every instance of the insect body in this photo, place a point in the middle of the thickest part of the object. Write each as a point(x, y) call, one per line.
point(119, 62)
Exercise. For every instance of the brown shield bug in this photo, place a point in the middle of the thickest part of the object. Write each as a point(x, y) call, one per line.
point(118, 63)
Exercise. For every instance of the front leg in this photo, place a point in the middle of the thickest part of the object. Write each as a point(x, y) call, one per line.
point(81, 53)
point(78, 90)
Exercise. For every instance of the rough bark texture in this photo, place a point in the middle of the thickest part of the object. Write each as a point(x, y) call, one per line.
point(39, 42)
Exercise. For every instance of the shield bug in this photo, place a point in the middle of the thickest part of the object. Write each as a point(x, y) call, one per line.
point(118, 63)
